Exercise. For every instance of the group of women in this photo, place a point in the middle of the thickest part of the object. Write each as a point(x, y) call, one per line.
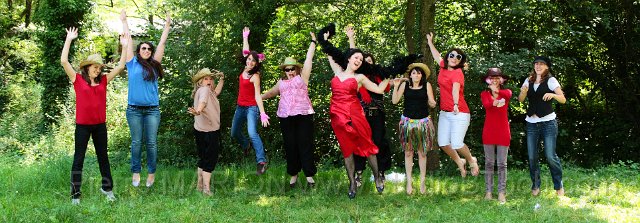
point(356, 112)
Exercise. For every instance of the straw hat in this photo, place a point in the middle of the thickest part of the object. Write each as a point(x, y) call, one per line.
point(92, 59)
point(203, 73)
point(421, 66)
point(289, 61)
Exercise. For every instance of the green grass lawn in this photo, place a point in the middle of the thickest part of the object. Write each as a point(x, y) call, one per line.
point(40, 192)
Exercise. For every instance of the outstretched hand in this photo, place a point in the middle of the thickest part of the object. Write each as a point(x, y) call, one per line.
point(245, 32)
point(123, 15)
point(168, 20)
point(124, 39)
point(313, 36)
point(349, 31)
point(72, 33)
point(430, 37)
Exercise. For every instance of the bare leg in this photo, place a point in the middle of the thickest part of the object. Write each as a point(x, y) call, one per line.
point(199, 173)
point(206, 183)
point(456, 158)
point(422, 162)
point(408, 165)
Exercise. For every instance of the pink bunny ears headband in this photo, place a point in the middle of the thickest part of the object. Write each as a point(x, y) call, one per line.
point(260, 55)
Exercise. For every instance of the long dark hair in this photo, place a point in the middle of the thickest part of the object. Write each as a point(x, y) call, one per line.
point(546, 74)
point(152, 68)
point(462, 61)
point(257, 67)
point(84, 71)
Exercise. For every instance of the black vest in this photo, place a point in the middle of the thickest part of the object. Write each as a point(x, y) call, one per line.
point(537, 106)
point(416, 104)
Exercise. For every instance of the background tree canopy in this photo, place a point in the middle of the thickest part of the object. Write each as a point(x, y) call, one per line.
point(594, 46)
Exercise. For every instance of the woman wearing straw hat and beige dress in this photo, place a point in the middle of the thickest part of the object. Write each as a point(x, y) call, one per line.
point(415, 128)
point(206, 111)
point(296, 115)
point(90, 86)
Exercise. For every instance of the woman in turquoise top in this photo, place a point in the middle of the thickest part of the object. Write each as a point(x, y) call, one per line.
point(143, 113)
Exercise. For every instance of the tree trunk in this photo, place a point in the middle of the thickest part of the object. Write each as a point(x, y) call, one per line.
point(409, 23)
point(427, 24)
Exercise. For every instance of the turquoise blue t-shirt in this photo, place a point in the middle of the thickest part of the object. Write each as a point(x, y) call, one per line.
point(141, 92)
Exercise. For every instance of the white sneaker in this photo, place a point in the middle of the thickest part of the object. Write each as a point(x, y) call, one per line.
point(109, 194)
point(75, 201)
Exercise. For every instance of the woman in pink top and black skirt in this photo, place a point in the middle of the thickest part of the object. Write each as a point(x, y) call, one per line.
point(296, 115)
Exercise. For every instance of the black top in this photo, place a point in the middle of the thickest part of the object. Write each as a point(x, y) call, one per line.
point(537, 106)
point(416, 102)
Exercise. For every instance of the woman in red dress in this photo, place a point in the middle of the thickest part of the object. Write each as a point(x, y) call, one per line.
point(347, 116)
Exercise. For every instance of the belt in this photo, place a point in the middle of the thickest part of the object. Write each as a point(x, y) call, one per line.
point(143, 107)
point(372, 112)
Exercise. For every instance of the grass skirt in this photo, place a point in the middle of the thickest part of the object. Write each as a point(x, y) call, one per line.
point(416, 134)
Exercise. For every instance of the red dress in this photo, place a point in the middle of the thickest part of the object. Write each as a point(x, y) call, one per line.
point(348, 121)
point(496, 129)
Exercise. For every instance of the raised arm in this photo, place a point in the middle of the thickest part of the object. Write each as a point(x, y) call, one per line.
point(351, 34)
point(245, 41)
point(72, 33)
point(398, 90)
point(275, 90)
point(369, 85)
point(256, 86)
point(124, 40)
point(434, 51)
point(163, 40)
point(125, 29)
point(218, 88)
point(308, 62)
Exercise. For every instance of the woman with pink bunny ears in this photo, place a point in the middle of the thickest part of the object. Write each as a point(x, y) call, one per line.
point(250, 106)
point(496, 134)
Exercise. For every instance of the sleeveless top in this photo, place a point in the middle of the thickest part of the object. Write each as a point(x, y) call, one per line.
point(416, 104)
point(246, 92)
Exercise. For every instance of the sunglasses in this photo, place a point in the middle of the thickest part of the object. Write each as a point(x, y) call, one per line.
point(289, 69)
point(457, 56)
point(146, 48)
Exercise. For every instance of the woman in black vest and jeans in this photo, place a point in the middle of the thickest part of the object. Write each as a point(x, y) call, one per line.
point(540, 88)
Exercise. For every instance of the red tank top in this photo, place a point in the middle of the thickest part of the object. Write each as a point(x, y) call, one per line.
point(246, 92)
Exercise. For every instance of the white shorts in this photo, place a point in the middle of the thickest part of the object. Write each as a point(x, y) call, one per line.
point(452, 129)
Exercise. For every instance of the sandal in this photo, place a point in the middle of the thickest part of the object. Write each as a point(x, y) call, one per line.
point(463, 170)
point(475, 169)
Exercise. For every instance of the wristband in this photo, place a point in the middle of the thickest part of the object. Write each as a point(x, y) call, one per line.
point(245, 34)
point(314, 41)
point(263, 116)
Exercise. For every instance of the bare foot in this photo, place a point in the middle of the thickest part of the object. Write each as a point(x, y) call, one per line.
point(409, 189)
point(560, 192)
point(502, 198)
point(207, 193)
point(488, 196)
point(423, 189)
point(535, 192)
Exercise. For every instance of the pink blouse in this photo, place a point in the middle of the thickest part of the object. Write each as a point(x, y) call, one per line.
point(294, 98)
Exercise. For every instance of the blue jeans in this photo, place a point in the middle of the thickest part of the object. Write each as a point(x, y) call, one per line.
point(143, 127)
point(250, 115)
point(548, 133)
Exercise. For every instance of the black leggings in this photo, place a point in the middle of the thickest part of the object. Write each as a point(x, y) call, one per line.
point(378, 132)
point(208, 144)
point(98, 133)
